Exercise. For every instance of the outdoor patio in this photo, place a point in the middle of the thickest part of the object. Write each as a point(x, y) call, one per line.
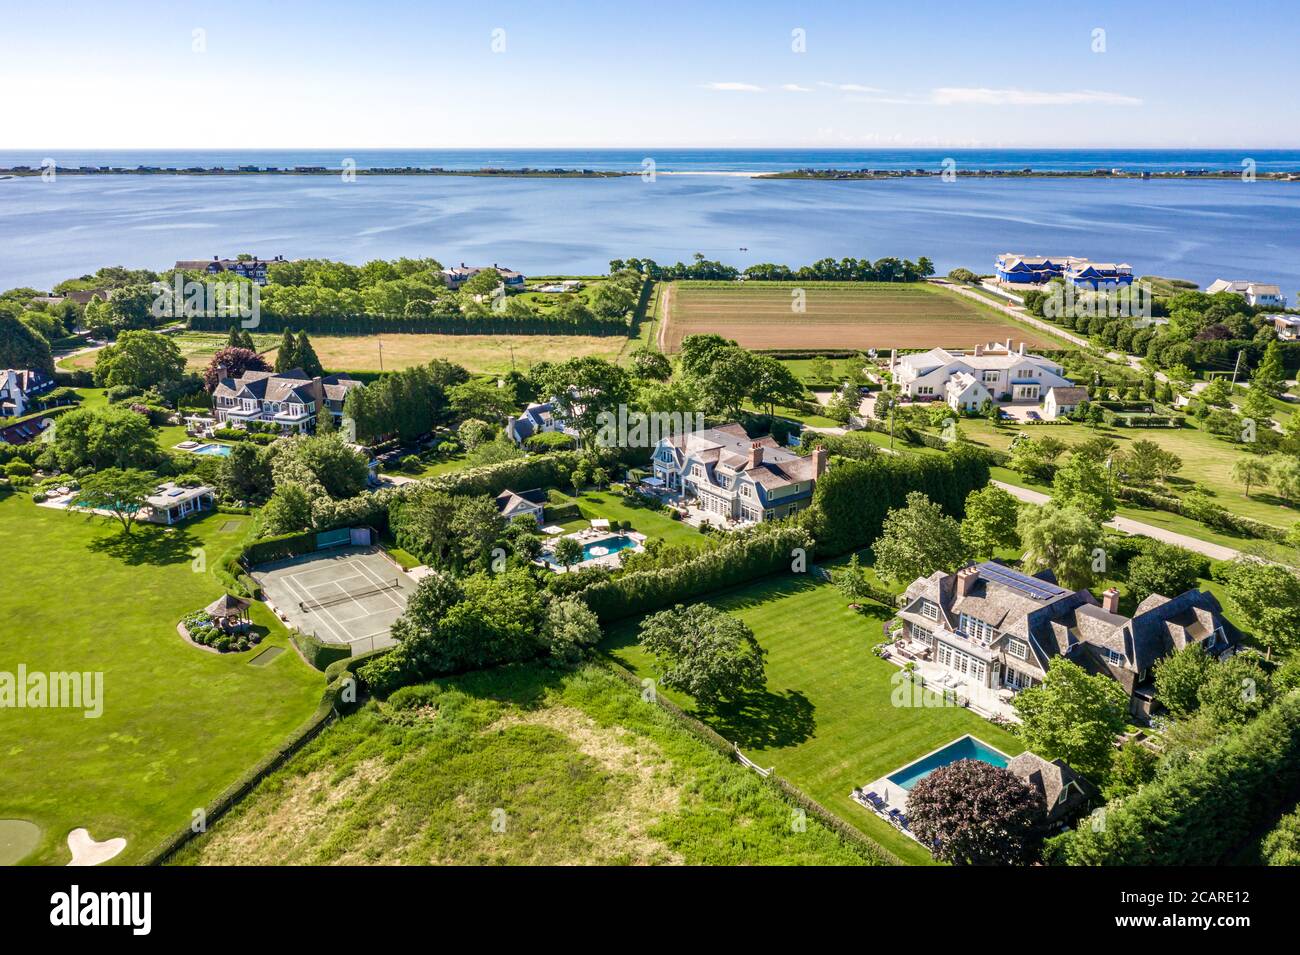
point(986, 701)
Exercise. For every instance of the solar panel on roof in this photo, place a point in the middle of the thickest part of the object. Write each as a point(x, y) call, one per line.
point(1031, 586)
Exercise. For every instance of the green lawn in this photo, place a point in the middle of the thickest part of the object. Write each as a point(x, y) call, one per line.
point(179, 723)
point(646, 520)
point(827, 722)
point(521, 765)
point(1207, 460)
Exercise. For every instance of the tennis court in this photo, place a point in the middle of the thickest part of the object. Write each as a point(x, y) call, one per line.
point(349, 596)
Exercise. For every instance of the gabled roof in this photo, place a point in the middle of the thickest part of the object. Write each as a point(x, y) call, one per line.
point(1051, 779)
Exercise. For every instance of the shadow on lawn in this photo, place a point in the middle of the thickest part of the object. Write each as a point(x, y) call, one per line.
point(765, 720)
point(148, 545)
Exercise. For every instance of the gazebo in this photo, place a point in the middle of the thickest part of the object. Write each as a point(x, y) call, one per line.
point(229, 613)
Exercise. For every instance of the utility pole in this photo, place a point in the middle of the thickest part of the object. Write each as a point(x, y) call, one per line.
point(1235, 367)
point(381, 353)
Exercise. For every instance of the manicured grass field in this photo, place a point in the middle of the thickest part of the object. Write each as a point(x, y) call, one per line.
point(1207, 460)
point(827, 722)
point(478, 353)
point(522, 765)
point(645, 520)
point(838, 315)
point(179, 724)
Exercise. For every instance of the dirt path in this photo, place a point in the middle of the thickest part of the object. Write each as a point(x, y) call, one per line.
point(665, 303)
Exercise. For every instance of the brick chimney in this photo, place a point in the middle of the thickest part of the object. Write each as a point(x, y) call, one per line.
point(979, 350)
point(819, 462)
point(966, 578)
point(1110, 601)
point(755, 456)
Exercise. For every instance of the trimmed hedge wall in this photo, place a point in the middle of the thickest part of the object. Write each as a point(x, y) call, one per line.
point(374, 324)
point(853, 498)
point(749, 557)
point(279, 547)
point(1200, 812)
point(1215, 516)
point(520, 474)
point(317, 652)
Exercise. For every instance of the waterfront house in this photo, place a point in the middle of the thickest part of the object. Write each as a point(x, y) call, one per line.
point(251, 268)
point(1256, 294)
point(1001, 374)
point(725, 472)
point(1098, 276)
point(458, 276)
point(997, 628)
point(1017, 269)
point(290, 399)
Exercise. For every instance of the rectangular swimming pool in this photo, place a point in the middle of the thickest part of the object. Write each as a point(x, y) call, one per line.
point(220, 450)
point(599, 548)
point(967, 747)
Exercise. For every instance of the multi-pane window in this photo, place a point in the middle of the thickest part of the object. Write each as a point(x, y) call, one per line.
point(929, 610)
point(977, 629)
point(1018, 649)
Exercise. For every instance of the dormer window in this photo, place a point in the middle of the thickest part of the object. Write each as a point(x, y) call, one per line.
point(1114, 657)
point(1018, 649)
point(929, 610)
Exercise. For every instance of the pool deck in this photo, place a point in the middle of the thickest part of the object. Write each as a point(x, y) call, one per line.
point(587, 536)
point(894, 795)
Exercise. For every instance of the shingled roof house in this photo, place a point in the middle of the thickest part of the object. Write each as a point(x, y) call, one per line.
point(1064, 791)
point(734, 476)
point(19, 388)
point(250, 268)
point(998, 628)
point(536, 419)
point(290, 399)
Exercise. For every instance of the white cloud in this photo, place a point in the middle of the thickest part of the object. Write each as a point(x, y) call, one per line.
point(982, 96)
point(734, 87)
point(796, 88)
point(851, 87)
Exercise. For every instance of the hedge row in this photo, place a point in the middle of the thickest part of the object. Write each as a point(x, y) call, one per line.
point(750, 556)
point(279, 547)
point(1200, 812)
point(331, 706)
point(852, 499)
point(520, 474)
point(375, 324)
point(1219, 518)
point(317, 652)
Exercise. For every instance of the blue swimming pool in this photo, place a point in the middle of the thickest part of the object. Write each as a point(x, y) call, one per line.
point(967, 747)
point(600, 548)
point(220, 450)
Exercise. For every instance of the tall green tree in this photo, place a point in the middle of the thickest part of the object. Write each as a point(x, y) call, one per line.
point(139, 359)
point(1267, 597)
point(701, 651)
point(286, 355)
point(990, 521)
point(121, 493)
point(1073, 716)
point(918, 540)
point(306, 356)
point(1061, 539)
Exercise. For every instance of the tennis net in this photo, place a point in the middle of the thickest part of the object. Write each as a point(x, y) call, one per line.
point(332, 599)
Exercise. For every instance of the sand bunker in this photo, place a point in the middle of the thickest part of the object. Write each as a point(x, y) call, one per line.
point(18, 838)
point(86, 851)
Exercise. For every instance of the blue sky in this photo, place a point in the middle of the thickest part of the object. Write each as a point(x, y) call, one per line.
point(566, 74)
